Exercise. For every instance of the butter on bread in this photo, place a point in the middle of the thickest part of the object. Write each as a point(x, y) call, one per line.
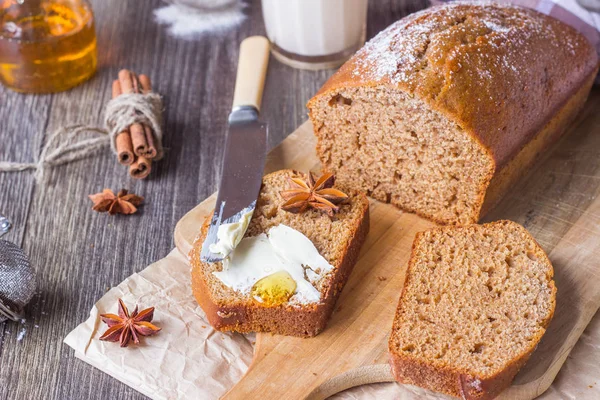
point(338, 239)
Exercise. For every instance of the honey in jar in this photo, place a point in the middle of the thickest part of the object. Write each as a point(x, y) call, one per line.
point(46, 45)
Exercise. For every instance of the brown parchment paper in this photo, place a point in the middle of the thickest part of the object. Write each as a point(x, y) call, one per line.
point(190, 360)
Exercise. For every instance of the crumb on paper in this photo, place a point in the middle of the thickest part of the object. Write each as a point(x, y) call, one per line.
point(382, 278)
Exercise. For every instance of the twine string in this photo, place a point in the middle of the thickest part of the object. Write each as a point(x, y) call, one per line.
point(60, 148)
point(69, 143)
point(131, 108)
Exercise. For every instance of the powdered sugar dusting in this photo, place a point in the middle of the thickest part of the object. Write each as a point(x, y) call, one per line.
point(498, 71)
point(187, 22)
point(488, 37)
point(495, 27)
point(379, 57)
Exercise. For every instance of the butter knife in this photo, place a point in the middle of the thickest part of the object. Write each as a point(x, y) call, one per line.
point(245, 149)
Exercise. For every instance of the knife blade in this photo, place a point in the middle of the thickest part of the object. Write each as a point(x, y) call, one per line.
point(245, 148)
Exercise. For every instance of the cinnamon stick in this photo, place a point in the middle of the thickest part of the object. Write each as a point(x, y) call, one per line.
point(145, 82)
point(124, 148)
point(126, 81)
point(138, 138)
point(135, 81)
point(151, 151)
point(123, 140)
point(140, 168)
point(129, 84)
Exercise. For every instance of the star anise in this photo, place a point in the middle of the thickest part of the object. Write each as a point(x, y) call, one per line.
point(309, 192)
point(122, 203)
point(123, 327)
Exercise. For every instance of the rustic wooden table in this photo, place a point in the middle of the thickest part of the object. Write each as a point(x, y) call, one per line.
point(77, 253)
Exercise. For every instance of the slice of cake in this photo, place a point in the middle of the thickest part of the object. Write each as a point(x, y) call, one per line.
point(476, 301)
point(287, 272)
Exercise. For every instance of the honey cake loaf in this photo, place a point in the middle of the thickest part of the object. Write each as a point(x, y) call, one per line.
point(476, 301)
point(442, 111)
point(338, 240)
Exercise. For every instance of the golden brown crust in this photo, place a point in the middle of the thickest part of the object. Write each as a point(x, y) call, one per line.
point(304, 321)
point(520, 164)
point(497, 70)
point(454, 381)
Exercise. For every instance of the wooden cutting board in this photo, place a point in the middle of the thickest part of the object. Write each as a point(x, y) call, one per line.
point(557, 202)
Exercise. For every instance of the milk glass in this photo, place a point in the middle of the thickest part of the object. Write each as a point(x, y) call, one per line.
point(315, 34)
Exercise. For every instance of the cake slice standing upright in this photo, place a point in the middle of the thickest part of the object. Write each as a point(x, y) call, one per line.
point(476, 302)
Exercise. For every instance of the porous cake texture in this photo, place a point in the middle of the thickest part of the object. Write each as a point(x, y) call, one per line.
point(338, 239)
point(435, 110)
point(476, 301)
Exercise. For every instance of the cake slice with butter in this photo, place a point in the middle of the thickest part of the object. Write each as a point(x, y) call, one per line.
point(285, 275)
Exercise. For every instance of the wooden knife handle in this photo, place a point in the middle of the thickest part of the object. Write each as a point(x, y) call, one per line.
point(251, 72)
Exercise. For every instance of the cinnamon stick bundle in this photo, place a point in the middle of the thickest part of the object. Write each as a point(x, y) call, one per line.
point(123, 140)
point(136, 145)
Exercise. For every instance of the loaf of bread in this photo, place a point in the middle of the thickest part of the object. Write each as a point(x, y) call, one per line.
point(476, 301)
point(442, 111)
point(338, 239)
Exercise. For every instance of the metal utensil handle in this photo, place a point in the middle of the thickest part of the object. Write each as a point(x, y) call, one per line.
point(251, 72)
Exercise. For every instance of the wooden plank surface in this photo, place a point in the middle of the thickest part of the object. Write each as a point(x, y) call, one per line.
point(353, 348)
point(77, 253)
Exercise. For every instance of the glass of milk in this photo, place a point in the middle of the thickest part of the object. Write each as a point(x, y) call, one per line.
point(315, 34)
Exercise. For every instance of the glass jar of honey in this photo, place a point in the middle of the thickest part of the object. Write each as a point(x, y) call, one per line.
point(46, 45)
